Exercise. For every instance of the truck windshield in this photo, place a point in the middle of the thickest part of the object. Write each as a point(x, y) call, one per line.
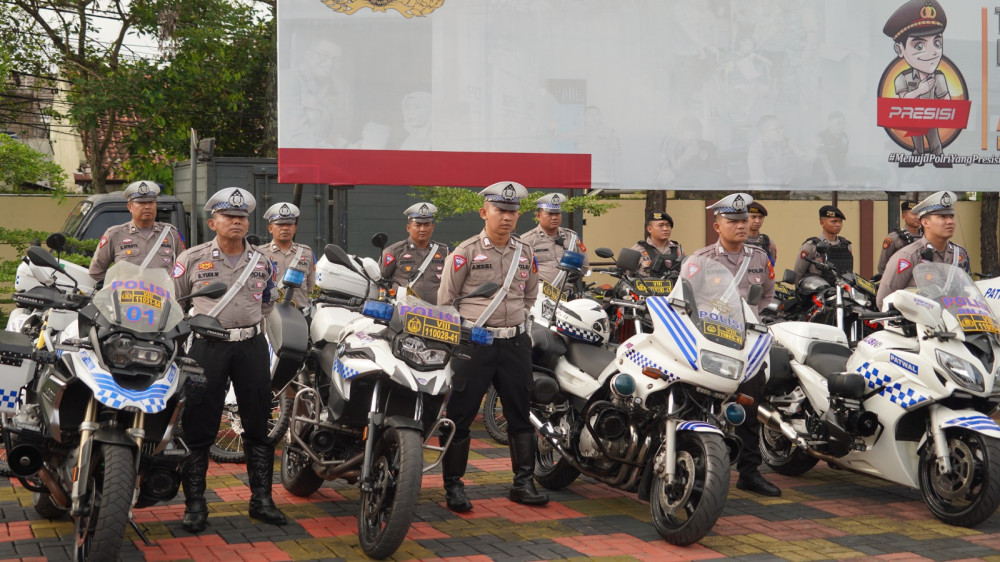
point(76, 217)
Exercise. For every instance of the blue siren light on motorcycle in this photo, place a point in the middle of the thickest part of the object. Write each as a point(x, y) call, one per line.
point(481, 336)
point(623, 384)
point(293, 277)
point(572, 261)
point(735, 414)
point(377, 310)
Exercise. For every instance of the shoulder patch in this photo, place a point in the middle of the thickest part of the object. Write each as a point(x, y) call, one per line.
point(389, 258)
point(178, 269)
point(104, 240)
point(803, 254)
point(580, 244)
point(459, 262)
point(770, 270)
point(534, 264)
point(903, 265)
point(886, 243)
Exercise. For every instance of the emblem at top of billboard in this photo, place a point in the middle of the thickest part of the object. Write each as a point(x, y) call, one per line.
point(923, 100)
point(408, 8)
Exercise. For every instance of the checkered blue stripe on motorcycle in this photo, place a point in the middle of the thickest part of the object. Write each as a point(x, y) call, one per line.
point(8, 399)
point(577, 333)
point(344, 371)
point(641, 360)
point(152, 400)
point(894, 391)
point(982, 424)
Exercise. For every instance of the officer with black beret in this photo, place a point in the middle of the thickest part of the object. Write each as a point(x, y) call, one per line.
point(840, 254)
point(756, 213)
point(659, 226)
point(901, 237)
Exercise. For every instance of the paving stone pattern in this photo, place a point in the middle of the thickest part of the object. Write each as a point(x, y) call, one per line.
point(825, 514)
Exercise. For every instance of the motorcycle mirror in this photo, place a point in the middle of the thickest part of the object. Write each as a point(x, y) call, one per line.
point(823, 247)
point(788, 277)
point(628, 259)
point(56, 241)
point(41, 257)
point(253, 239)
point(208, 325)
point(754, 294)
point(379, 240)
point(487, 289)
point(212, 291)
point(604, 253)
point(336, 254)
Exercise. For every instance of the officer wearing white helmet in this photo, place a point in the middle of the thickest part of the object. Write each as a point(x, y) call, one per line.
point(249, 274)
point(549, 240)
point(496, 255)
point(418, 261)
point(282, 222)
point(142, 240)
point(937, 219)
point(750, 265)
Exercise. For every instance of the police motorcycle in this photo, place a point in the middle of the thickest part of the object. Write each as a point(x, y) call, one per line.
point(372, 396)
point(834, 297)
point(98, 398)
point(651, 416)
point(631, 290)
point(910, 404)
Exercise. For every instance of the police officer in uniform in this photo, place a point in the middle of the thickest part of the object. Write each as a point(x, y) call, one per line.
point(418, 261)
point(901, 237)
point(496, 255)
point(937, 218)
point(756, 213)
point(659, 226)
point(249, 274)
point(840, 253)
point(549, 240)
point(282, 222)
point(141, 240)
point(731, 223)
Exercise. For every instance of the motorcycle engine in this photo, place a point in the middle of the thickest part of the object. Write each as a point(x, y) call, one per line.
point(610, 425)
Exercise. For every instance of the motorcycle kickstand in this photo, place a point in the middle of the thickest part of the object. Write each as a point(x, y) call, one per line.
point(141, 533)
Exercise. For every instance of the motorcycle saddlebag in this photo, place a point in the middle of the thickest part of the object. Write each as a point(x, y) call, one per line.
point(16, 368)
point(288, 334)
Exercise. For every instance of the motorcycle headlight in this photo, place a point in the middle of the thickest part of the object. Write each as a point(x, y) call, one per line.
point(719, 364)
point(121, 350)
point(418, 354)
point(964, 374)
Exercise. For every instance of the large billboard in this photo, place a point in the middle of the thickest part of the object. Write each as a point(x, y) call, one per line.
point(643, 94)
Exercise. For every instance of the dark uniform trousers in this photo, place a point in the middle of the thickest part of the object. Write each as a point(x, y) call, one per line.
point(748, 462)
point(507, 366)
point(247, 363)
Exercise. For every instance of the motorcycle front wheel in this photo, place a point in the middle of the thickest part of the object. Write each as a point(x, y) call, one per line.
point(687, 509)
point(493, 418)
point(228, 446)
point(389, 503)
point(971, 492)
point(297, 475)
point(109, 487)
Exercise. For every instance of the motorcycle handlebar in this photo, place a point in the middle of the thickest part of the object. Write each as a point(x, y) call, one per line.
point(348, 302)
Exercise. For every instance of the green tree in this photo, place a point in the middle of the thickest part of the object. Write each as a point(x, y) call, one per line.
point(20, 164)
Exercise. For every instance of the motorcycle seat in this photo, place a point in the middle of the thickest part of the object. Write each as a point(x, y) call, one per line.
point(546, 346)
point(827, 358)
point(588, 358)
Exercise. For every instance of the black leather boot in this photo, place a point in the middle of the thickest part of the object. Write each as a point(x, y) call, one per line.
point(260, 469)
point(522, 461)
point(453, 468)
point(193, 472)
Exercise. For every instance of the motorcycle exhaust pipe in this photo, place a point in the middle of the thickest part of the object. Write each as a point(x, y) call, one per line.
point(25, 460)
point(55, 490)
point(547, 431)
point(772, 419)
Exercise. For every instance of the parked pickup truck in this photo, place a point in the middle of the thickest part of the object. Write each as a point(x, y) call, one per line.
point(92, 216)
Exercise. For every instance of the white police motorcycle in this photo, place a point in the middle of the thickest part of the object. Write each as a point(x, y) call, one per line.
point(911, 404)
point(650, 416)
point(372, 397)
point(97, 397)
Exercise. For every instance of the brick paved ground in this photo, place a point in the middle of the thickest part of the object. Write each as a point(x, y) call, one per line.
point(823, 515)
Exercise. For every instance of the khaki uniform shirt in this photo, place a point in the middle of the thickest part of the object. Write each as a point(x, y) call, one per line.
point(893, 243)
point(649, 253)
point(759, 270)
point(283, 260)
point(899, 270)
point(126, 242)
point(205, 263)
point(808, 250)
point(548, 253)
point(476, 261)
point(402, 261)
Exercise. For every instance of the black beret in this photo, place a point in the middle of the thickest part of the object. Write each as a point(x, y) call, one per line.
point(756, 207)
point(660, 216)
point(830, 212)
point(907, 205)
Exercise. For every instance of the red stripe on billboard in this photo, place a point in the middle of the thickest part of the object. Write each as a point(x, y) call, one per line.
point(917, 115)
point(406, 167)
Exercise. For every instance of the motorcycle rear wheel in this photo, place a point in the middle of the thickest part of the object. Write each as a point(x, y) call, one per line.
point(493, 418)
point(228, 446)
point(686, 510)
point(778, 454)
point(552, 471)
point(387, 509)
point(971, 494)
point(109, 488)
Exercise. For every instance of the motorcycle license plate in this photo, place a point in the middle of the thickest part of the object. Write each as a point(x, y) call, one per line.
point(977, 323)
point(432, 328)
point(865, 284)
point(654, 287)
point(551, 292)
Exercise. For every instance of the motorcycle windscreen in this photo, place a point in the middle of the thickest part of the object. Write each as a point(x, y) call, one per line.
point(432, 321)
point(958, 296)
point(714, 297)
point(140, 300)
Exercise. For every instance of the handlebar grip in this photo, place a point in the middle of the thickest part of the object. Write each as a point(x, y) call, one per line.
point(352, 301)
point(877, 315)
